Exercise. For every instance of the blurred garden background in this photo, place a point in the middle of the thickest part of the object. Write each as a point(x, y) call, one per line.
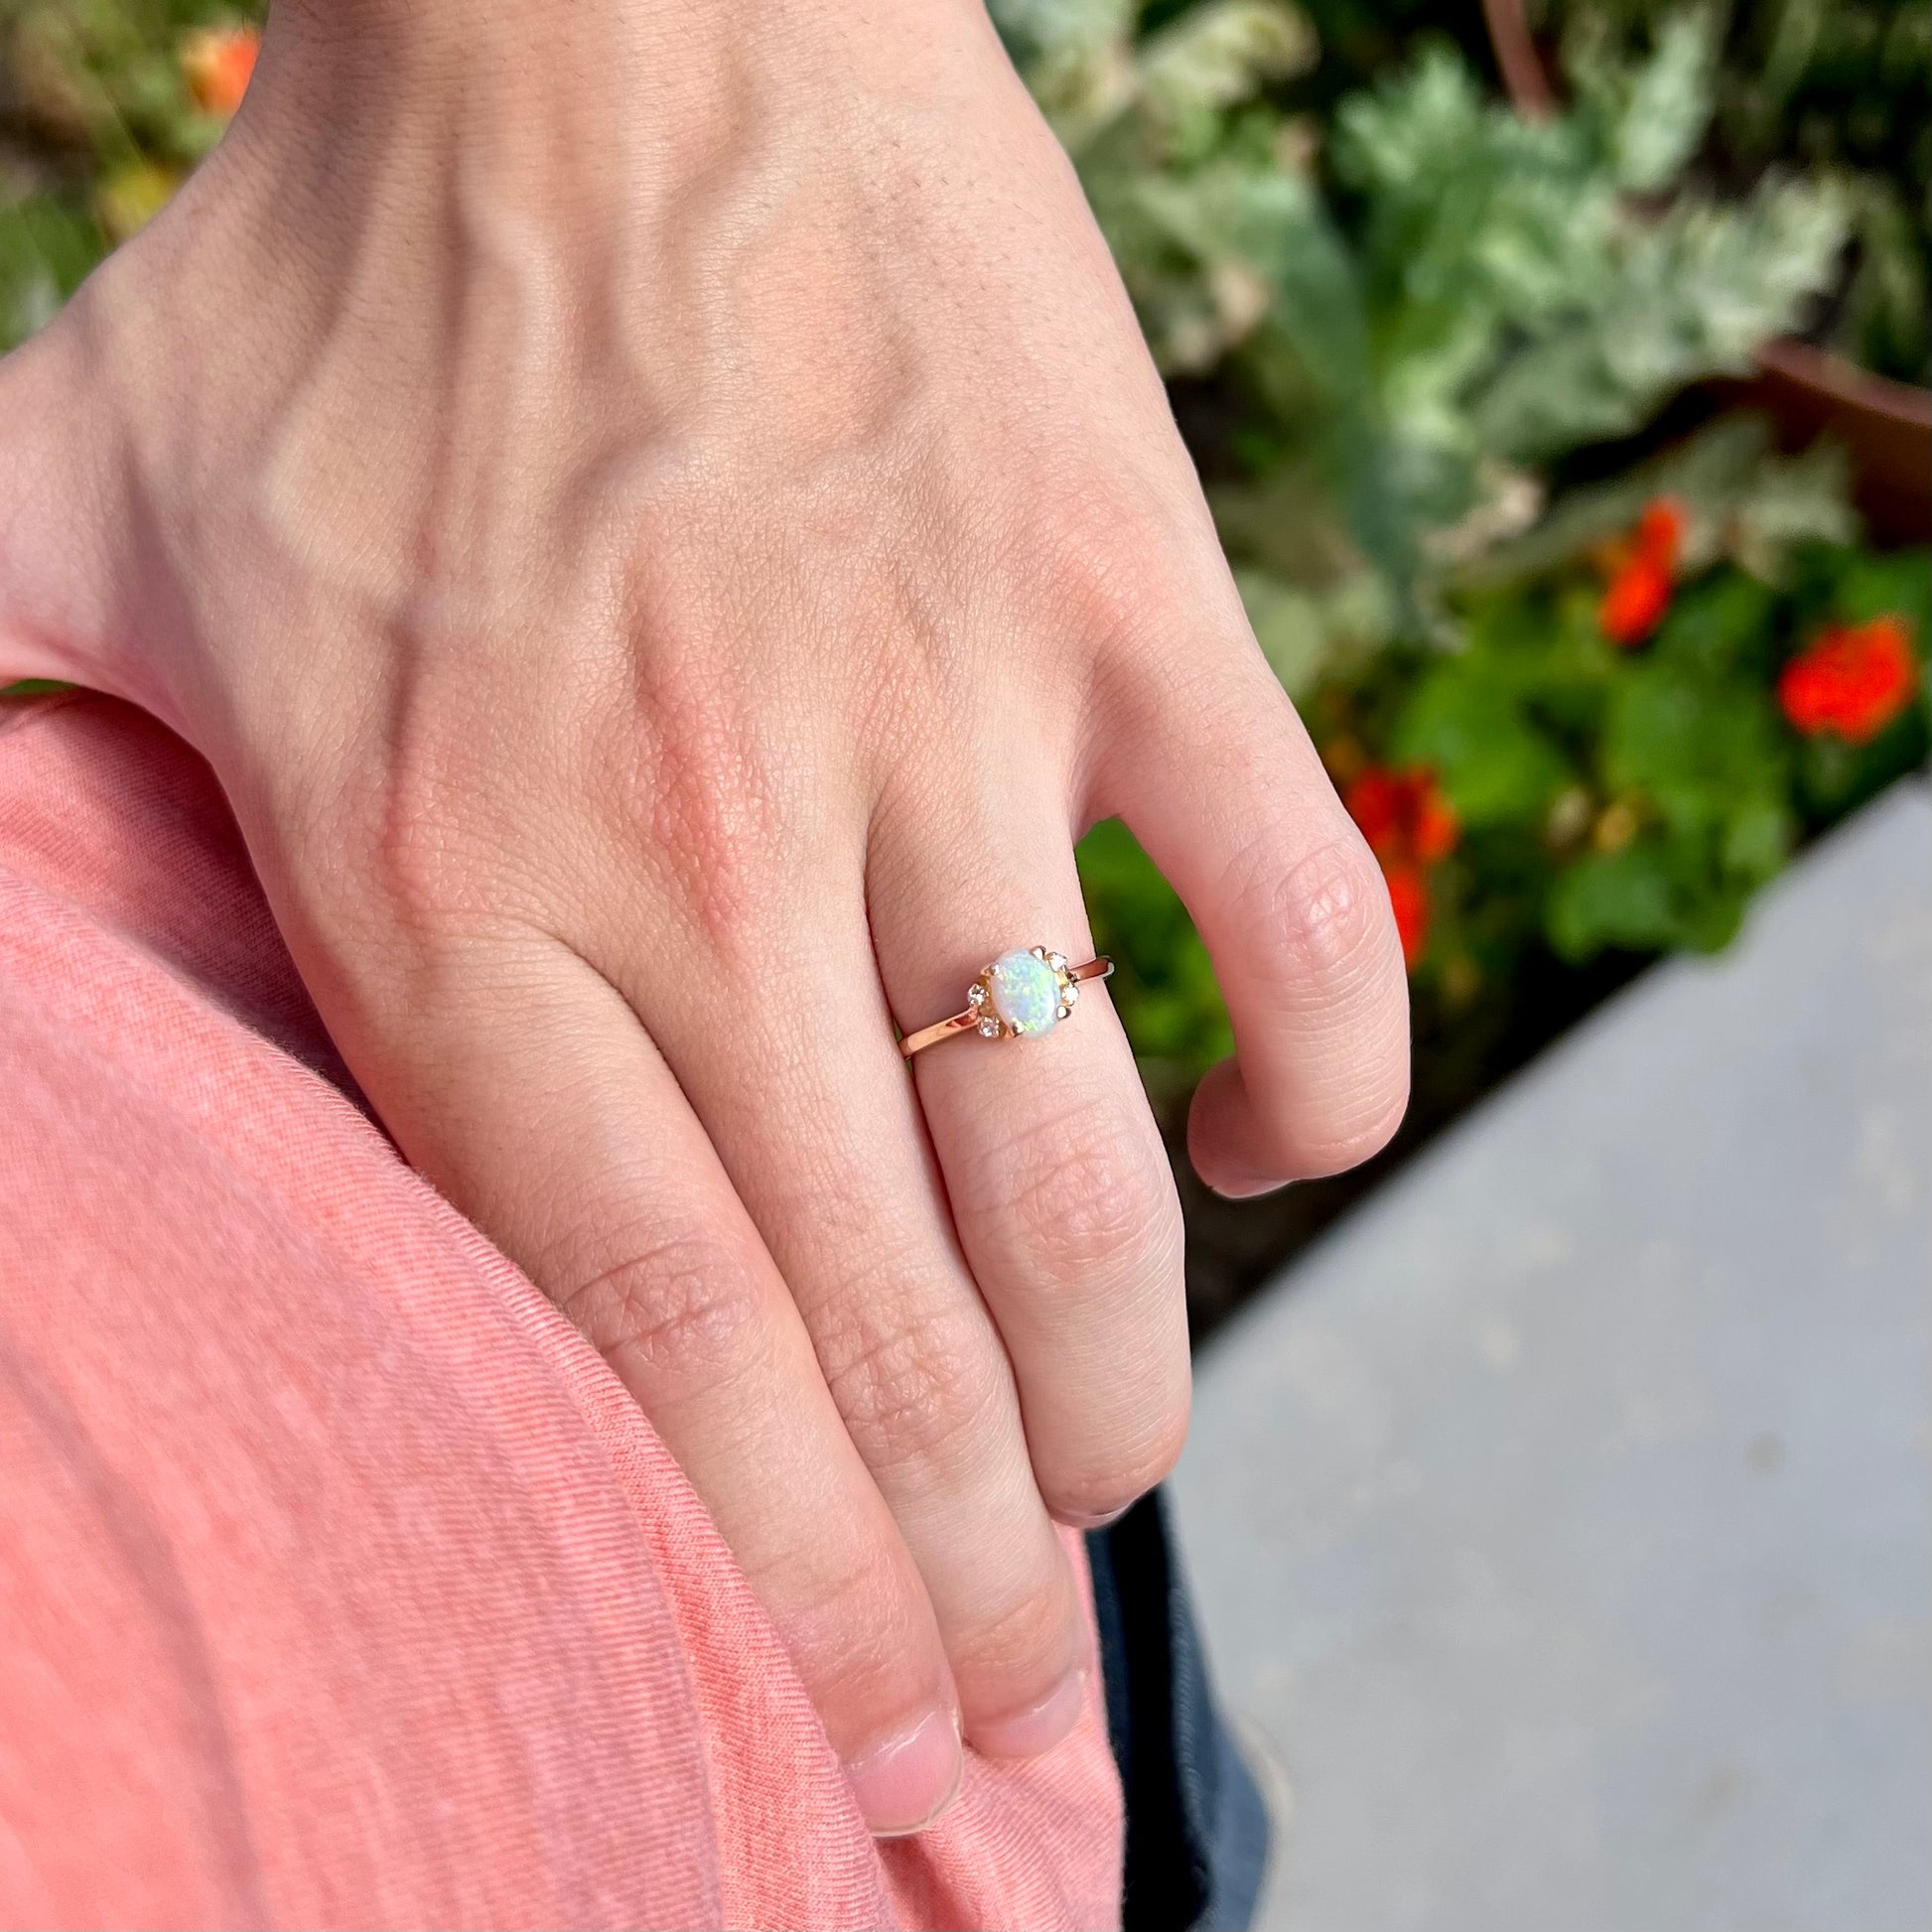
point(1558, 382)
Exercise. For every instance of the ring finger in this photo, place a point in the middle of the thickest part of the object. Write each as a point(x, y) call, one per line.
point(1059, 1186)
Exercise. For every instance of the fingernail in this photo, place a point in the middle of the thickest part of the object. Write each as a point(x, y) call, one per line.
point(903, 1784)
point(1248, 1186)
point(1039, 1728)
point(1074, 1521)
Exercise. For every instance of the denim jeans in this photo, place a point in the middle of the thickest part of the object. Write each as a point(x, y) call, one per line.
point(1197, 1832)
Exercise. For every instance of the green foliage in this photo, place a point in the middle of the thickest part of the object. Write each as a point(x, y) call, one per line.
point(1411, 325)
point(1656, 788)
point(1172, 151)
point(1737, 496)
point(97, 125)
point(1611, 800)
point(1841, 87)
point(1163, 985)
point(1492, 302)
point(48, 245)
point(100, 81)
point(1652, 118)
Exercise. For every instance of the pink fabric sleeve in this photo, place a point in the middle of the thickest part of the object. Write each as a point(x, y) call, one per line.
point(340, 1583)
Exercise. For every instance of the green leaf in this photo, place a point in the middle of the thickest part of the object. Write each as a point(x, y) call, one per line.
point(48, 246)
point(1466, 725)
point(1217, 55)
point(1653, 117)
point(1656, 896)
point(1625, 899)
point(1695, 296)
point(1720, 627)
point(1708, 754)
point(1872, 584)
point(1740, 498)
point(1757, 839)
point(1164, 983)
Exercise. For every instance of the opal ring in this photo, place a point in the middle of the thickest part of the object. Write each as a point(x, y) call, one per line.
point(1020, 994)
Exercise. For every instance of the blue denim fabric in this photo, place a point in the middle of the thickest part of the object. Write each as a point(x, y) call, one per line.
point(1197, 1831)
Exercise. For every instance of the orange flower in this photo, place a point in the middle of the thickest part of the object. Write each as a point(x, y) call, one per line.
point(218, 63)
point(1642, 574)
point(1409, 897)
point(1853, 680)
point(1409, 826)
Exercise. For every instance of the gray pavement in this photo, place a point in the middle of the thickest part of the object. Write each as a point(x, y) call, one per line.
point(1563, 1522)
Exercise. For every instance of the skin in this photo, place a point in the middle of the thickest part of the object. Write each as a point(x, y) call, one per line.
point(665, 525)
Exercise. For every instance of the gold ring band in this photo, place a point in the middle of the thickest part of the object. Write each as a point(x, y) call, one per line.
point(1019, 994)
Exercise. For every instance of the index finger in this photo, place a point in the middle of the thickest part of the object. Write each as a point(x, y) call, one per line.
point(1230, 802)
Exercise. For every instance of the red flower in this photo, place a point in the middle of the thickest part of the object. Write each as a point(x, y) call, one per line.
point(1409, 897)
point(1660, 532)
point(1376, 800)
point(1409, 826)
point(1642, 574)
point(1853, 680)
point(218, 63)
point(1438, 828)
point(1403, 814)
point(1634, 602)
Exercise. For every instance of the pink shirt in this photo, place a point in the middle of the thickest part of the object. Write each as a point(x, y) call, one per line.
point(341, 1583)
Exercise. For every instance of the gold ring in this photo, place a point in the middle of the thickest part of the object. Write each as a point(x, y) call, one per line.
point(1020, 994)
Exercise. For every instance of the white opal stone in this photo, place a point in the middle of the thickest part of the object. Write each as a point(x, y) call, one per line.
point(1025, 994)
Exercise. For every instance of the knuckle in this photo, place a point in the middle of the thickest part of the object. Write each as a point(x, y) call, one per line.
point(1091, 1201)
point(1332, 912)
point(702, 781)
point(1015, 1640)
point(913, 1391)
point(680, 1303)
point(1106, 560)
point(854, 1615)
point(1338, 978)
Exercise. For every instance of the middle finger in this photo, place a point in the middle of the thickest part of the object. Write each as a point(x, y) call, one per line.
point(1059, 1186)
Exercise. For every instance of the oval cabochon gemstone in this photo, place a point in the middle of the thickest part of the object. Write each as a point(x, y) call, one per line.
point(1026, 992)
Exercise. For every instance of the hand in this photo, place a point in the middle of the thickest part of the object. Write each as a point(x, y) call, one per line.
point(664, 523)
